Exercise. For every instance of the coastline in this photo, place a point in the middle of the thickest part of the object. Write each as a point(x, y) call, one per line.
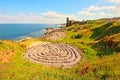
point(50, 33)
point(15, 32)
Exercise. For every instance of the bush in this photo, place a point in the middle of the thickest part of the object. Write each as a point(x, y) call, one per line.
point(1, 42)
point(77, 36)
point(69, 29)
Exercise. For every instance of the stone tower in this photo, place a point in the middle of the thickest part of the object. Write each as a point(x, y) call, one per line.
point(67, 22)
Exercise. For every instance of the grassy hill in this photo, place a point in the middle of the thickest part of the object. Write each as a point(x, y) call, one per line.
point(7, 50)
point(99, 42)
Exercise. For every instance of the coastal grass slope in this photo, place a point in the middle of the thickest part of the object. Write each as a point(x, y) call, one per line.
point(100, 46)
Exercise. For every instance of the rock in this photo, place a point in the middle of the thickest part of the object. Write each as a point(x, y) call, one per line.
point(52, 54)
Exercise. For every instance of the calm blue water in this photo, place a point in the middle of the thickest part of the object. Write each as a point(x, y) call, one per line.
point(20, 31)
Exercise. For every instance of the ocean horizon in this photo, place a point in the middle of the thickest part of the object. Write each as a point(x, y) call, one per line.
point(20, 31)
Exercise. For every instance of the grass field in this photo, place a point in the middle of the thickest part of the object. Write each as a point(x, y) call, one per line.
point(100, 61)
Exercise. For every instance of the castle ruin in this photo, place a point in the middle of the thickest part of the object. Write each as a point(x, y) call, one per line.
point(71, 22)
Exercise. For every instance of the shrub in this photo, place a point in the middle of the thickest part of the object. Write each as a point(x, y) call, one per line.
point(77, 36)
point(69, 29)
point(1, 42)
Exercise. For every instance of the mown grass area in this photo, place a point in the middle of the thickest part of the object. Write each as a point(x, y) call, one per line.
point(21, 69)
point(99, 60)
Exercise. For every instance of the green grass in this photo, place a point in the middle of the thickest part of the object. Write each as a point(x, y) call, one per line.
point(97, 32)
point(7, 45)
point(92, 66)
point(105, 68)
point(21, 69)
point(102, 49)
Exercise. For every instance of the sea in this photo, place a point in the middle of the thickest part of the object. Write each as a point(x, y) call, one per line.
point(20, 31)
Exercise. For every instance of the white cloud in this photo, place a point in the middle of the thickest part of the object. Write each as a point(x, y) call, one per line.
point(48, 17)
point(102, 9)
point(97, 8)
point(85, 14)
point(93, 8)
point(95, 12)
point(56, 17)
point(92, 12)
point(115, 1)
point(53, 14)
point(103, 15)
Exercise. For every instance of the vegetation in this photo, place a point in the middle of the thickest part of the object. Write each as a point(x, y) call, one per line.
point(99, 42)
point(7, 50)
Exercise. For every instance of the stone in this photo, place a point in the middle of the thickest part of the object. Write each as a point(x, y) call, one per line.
point(54, 54)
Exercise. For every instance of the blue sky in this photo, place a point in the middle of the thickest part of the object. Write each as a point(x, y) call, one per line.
point(55, 11)
point(38, 6)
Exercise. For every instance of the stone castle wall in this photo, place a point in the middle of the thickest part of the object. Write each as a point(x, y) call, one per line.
point(71, 22)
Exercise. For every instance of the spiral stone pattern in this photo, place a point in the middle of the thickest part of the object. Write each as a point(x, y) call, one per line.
point(52, 54)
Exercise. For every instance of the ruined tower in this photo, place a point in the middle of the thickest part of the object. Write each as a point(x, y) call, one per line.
point(67, 22)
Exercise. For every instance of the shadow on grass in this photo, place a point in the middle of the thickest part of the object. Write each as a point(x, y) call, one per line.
point(103, 48)
point(98, 31)
point(111, 31)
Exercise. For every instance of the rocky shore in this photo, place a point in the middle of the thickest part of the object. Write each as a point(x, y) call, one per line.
point(27, 38)
point(50, 34)
point(54, 34)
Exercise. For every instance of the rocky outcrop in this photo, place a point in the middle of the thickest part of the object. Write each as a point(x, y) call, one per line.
point(54, 34)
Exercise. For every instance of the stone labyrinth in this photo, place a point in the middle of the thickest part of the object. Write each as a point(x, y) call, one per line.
point(52, 54)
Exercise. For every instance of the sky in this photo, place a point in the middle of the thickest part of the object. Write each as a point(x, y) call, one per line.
point(56, 11)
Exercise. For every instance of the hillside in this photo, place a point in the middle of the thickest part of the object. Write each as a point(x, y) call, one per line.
point(7, 50)
point(98, 41)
